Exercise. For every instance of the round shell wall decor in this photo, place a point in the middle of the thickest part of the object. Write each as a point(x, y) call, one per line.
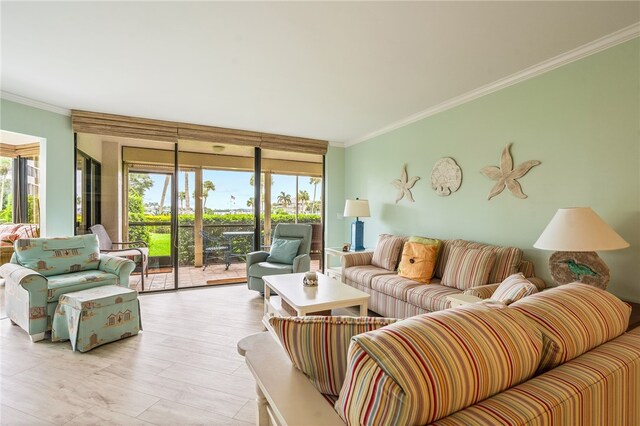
point(573, 266)
point(446, 176)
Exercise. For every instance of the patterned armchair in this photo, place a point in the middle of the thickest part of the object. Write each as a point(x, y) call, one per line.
point(257, 265)
point(42, 269)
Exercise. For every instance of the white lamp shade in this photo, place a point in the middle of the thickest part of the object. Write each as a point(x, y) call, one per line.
point(579, 229)
point(357, 208)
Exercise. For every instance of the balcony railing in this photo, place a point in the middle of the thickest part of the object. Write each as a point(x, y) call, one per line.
point(157, 235)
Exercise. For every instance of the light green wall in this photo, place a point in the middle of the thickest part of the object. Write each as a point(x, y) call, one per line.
point(334, 206)
point(582, 121)
point(57, 161)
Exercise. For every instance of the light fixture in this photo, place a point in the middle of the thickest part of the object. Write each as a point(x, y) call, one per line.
point(576, 234)
point(357, 208)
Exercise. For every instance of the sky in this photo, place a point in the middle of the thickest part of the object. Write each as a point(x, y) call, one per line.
point(232, 183)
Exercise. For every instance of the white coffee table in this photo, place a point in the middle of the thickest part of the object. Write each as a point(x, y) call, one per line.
point(328, 294)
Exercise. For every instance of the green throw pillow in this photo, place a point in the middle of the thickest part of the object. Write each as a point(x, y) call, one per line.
point(283, 251)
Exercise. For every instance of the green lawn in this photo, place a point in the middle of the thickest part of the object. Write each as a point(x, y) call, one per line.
point(160, 244)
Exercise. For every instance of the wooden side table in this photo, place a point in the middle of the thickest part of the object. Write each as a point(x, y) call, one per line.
point(634, 319)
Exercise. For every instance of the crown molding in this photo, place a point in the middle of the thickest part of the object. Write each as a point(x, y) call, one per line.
point(33, 103)
point(598, 45)
point(337, 144)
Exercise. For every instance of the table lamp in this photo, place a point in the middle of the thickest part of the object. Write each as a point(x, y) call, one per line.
point(576, 234)
point(357, 208)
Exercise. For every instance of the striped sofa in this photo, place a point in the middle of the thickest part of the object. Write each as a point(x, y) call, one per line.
point(398, 297)
point(559, 357)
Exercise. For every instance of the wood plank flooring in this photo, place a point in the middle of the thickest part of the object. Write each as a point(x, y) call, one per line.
point(182, 370)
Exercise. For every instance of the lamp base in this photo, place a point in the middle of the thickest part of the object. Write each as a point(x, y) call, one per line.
point(584, 267)
point(357, 235)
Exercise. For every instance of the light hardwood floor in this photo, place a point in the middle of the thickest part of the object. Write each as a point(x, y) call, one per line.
point(182, 370)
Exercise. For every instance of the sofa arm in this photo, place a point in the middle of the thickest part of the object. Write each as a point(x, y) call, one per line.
point(28, 278)
point(26, 297)
point(301, 263)
point(356, 259)
point(256, 257)
point(118, 266)
point(482, 291)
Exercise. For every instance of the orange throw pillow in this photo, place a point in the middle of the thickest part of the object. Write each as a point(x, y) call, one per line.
point(418, 262)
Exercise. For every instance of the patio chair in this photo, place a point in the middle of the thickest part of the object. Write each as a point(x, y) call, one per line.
point(214, 249)
point(135, 248)
point(258, 266)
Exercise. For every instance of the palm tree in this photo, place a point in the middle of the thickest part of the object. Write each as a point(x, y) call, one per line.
point(303, 199)
point(207, 186)
point(315, 182)
point(250, 202)
point(186, 190)
point(252, 183)
point(167, 179)
point(181, 197)
point(284, 199)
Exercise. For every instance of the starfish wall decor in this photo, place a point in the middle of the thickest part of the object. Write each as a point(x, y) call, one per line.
point(404, 185)
point(506, 175)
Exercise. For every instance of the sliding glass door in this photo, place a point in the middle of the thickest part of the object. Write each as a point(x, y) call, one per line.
point(291, 190)
point(150, 213)
point(194, 205)
point(215, 221)
point(88, 189)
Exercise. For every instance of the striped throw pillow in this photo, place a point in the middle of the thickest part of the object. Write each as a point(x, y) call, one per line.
point(508, 259)
point(467, 268)
point(514, 288)
point(387, 252)
point(318, 345)
point(574, 318)
point(426, 367)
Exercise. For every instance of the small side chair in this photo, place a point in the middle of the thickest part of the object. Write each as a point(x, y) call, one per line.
point(135, 248)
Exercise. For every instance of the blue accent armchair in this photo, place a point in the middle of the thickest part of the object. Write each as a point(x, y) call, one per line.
point(257, 265)
point(42, 269)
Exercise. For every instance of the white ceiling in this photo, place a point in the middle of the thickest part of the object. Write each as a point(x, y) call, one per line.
point(327, 70)
point(11, 138)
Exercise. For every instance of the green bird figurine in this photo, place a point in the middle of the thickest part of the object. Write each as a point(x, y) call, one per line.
point(578, 269)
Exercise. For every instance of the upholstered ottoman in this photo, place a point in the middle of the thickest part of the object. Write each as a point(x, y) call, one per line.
point(96, 316)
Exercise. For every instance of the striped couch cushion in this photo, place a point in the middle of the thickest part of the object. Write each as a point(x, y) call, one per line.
point(393, 285)
point(318, 345)
point(426, 367)
point(601, 387)
point(443, 256)
point(467, 267)
point(387, 252)
point(514, 288)
point(432, 297)
point(573, 319)
point(508, 259)
point(362, 275)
